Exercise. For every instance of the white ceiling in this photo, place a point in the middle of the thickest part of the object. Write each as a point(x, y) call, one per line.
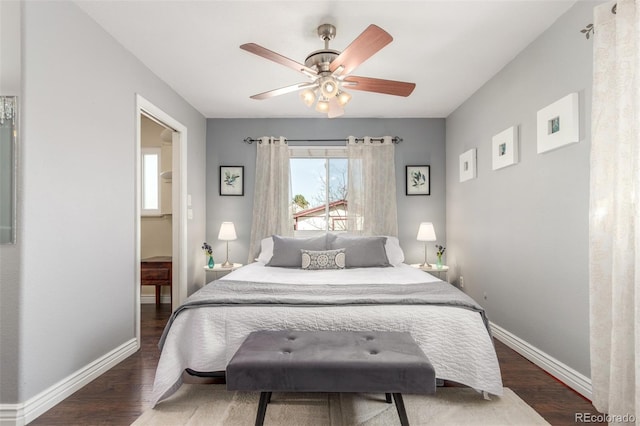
point(448, 48)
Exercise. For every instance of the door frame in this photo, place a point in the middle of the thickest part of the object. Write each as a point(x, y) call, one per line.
point(178, 204)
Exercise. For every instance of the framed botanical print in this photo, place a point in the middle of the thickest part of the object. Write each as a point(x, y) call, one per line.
point(232, 180)
point(418, 180)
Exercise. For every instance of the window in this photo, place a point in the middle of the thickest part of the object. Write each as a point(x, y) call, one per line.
point(318, 189)
point(150, 181)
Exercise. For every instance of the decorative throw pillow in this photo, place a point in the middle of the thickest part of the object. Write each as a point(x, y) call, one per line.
point(327, 259)
point(286, 250)
point(362, 252)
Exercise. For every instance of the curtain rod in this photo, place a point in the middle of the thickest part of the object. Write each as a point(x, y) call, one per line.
point(395, 139)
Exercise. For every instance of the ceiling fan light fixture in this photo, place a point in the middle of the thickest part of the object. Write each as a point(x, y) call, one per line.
point(343, 98)
point(308, 96)
point(329, 87)
point(322, 105)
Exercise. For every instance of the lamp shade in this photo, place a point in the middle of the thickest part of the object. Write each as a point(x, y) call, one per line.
point(343, 98)
point(426, 232)
point(308, 97)
point(227, 232)
point(322, 105)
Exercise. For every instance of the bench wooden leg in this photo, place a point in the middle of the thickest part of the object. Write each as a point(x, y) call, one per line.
point(262, 407)
point(402, 413)
point(388, 397)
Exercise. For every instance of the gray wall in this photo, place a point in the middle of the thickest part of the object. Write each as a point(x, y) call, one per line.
point(423, 145)
point(10, 39)
point(76, 232)
point(520, 234)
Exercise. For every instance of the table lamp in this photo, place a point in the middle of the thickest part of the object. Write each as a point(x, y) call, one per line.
point(227, 233)
point(426, 232)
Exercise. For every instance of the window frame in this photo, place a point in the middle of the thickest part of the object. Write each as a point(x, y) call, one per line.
point(319, 152)
point(146, 151)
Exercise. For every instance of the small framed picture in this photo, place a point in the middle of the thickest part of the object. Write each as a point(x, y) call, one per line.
point(232, 180)
point(504, 148)
point(418, 180)
point(468, 165)
point(559, 124)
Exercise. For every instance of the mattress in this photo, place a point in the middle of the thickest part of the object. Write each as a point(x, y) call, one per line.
point(456, 340)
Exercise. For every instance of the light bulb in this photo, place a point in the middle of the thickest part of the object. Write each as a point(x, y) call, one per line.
point(322, 105)
point(343, 98)
point(308, 97)
point(329, 87)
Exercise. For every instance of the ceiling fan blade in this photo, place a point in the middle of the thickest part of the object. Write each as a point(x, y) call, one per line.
point(362, 48)
point(278, 58)
point(388, 87)
point(335, 109)
point(282, 91)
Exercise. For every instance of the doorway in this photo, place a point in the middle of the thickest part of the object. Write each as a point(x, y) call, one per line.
point(156, 248)
point(161, 225)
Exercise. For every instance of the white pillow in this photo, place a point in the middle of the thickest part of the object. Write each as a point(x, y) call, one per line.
point(394, 251)
point(266, 250)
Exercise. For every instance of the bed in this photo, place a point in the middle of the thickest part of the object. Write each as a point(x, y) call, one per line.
point(453, 331)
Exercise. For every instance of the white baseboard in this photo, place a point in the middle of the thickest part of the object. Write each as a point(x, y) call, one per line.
point(152, 299)
point(23, 413)
point(575, 380)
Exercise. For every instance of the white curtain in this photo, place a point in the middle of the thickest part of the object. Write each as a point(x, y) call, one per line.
point(271, 213)
point(614, 217)
point(371, 193)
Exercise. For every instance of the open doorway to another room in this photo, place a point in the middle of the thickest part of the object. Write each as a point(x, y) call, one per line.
point(156, 221)
point(165, 217)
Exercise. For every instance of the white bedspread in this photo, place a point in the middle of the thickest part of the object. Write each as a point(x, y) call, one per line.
point(455, 340)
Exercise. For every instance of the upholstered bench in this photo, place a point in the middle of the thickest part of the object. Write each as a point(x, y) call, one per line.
point(331, 361)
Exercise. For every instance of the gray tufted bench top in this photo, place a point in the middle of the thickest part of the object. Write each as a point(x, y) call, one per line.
point(330, 361)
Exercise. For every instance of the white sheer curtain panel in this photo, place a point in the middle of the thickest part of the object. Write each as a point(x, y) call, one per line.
point(614, 217)
point(371, 192)
point(271, 213)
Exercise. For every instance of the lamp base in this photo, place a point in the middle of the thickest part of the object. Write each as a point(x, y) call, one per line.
point(227, 264)
point(425, 265)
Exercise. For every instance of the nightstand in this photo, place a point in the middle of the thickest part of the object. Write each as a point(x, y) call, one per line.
point(157, 271)
point(433, 269)
point(218, 271)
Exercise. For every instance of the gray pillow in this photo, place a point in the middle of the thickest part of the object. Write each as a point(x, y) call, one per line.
point(286, 251)
point(326, 259)
point(362, 252)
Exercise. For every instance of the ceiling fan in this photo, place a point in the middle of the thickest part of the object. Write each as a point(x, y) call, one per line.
point(329, 71)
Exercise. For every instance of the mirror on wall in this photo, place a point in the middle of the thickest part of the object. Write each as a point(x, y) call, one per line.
point(8, 168)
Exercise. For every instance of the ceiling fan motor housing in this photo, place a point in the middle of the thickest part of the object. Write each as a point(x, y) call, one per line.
point(321, 59)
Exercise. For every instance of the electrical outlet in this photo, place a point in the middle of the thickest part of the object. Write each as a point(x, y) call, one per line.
point(461, 281)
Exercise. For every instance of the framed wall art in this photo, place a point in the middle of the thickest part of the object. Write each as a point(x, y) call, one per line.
point(504, 148)
point(418, 180)
point(232, 180)
point(559, 124)
point(468, 165)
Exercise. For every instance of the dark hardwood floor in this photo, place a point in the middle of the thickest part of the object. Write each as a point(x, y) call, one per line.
point(119, 396)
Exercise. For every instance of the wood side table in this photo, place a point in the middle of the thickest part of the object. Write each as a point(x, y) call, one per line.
point(157, 271)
